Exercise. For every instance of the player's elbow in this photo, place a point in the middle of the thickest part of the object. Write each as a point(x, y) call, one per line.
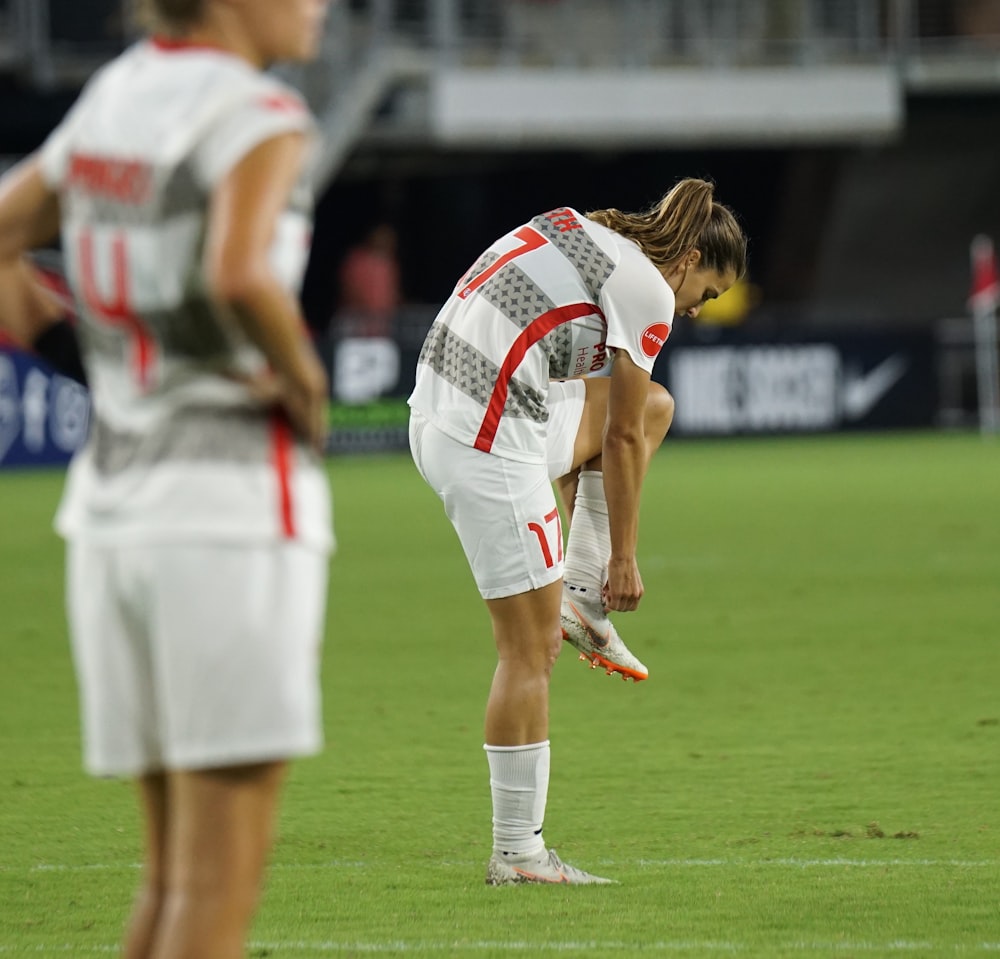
point(659, 412)
point(624, 440)
point(238, 285)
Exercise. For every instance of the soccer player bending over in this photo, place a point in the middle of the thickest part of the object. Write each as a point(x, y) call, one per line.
point(504, 403)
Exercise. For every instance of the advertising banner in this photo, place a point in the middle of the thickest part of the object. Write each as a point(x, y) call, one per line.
point(840, 382)
point(370, 379)
point(732, 386)
point(736, 385)
point(43, 416)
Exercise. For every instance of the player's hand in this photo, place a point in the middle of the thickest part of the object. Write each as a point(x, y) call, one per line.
point(306, 401)
point(263, 387)
point(624, 588)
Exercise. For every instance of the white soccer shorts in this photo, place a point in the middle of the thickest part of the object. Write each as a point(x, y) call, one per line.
point(565, 402)
point(196, 656)
point(504, 511)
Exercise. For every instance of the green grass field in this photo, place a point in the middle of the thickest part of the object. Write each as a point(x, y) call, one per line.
point(812, 769)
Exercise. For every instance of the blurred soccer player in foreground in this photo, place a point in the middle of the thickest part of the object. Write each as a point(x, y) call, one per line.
point(562, 297)
point(197, 516)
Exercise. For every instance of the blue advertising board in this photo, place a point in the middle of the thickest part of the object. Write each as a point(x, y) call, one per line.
point(43, 416)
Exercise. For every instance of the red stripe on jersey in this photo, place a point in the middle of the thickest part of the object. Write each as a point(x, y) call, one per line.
point(529, 336)
point(281, 458)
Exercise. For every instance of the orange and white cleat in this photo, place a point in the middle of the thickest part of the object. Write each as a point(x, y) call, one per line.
point(587, 627)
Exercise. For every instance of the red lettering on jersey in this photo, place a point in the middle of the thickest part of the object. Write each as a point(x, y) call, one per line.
point(530, 240)
point(600, 359)
point(116, 310)
point(283, 102)
point(563, 219)
point(127, 181)
point(653, 338)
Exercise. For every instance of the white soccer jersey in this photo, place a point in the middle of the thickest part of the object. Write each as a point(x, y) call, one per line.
point(177, 447)
point(549, 300)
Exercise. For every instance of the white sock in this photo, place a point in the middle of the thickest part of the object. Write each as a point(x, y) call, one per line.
point(519, 782)
point(588, 546)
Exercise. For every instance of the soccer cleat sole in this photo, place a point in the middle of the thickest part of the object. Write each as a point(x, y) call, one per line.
point(597, 650)
point(593, 660)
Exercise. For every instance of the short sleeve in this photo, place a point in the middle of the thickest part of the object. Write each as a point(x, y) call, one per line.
point(258, 115)
point(639, 306)
point(54, 153)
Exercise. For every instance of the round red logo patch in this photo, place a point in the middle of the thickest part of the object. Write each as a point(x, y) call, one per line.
point(653, 338)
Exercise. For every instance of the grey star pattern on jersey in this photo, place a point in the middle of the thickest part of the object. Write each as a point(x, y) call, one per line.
point(589, 260)
point(559, 345)
point(193, 434)
point(518, 298)
point(191, 331)
point(181, 193)
point(483, 263)
point(463, 366)
point(516, 295)
point(521, 300)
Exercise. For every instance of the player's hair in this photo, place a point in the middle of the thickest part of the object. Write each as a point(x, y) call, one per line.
point(687, 218)
point(168, 16)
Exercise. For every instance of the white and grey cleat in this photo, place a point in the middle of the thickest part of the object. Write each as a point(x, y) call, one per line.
point(546, 868)
point(587, 627)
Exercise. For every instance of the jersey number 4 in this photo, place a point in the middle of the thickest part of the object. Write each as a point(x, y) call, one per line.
point(112, 306)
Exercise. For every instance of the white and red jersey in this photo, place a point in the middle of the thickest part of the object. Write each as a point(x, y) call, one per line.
point(550, 300)
point(178, 447)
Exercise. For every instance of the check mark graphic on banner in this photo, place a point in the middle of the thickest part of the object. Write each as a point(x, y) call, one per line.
point(862, 391)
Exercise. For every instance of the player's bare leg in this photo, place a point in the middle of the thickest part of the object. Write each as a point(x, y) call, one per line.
point(148, 903)
point(528, 640)
point(219, 830)
point(584, 619)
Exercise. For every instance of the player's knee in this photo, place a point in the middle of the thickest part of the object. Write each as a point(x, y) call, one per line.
point(659, 411)
point(554, 647)
point(545, 652)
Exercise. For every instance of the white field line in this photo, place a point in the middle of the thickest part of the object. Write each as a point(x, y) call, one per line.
point(811, 863)
point(466, 947)
point(795, 863)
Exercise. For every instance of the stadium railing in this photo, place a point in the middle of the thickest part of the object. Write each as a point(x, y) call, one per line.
point(373, 46)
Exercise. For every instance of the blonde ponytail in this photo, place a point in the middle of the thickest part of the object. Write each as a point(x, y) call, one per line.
point(687, 218)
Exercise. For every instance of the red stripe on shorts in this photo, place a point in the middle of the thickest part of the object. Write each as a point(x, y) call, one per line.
point(281, 458)
point(529, 336)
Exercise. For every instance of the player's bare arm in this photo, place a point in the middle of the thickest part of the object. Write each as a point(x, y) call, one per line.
point(29, 218)
point(243, 213)
point(624, 459)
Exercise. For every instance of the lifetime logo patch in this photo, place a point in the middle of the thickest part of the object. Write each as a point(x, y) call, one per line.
point(653, 338)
